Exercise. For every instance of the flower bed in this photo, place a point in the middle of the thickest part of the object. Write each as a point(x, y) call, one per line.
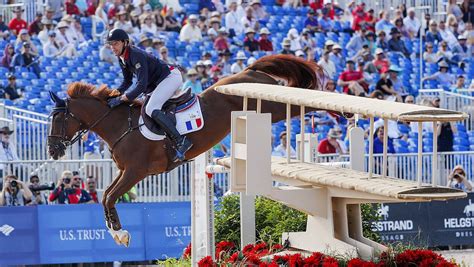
point(254, 255)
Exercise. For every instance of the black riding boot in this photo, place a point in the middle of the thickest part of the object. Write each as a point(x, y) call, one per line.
point(182, 144)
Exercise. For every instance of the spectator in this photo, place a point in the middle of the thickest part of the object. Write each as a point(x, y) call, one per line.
point(409, 99)
point(239, 65)
point(380, 62)
point(215, 23)
point(71, 8)
point(458, 180)
point(352, 80)
point(52, 49)
point(7, 151)
point(264, 43)
point(381, 41)
point(221, 43)
point(36, 26)
point(364, 52)
point(122, 22)
point(7, 57)
point(425, 25)
point(443, 77)
point(17, 23)
point(22, 38)
point(300, 53)
point(337, 57)
point(330, 86)
point(250, 44)
point(459, 85)
point(455, 10)
point(412, 23)
point(330, 144)
point(281, 149)
point(135, 21)
point(91, 184)
point(12, 91)
point(3, 26)
point(311, 21)
point(26, 60)
point(429, 56)
point(147, 11)
point(384, 23)
point(14, 192)
point(370, 21)
point(433, 35)
point(447, 35)
point(76, 195)
point(397, 84)
point(328, 66)
point(106, 54)
point(359, 19)
point(249, 20)
point(55, 8)
point(378, 142)
point(192, 81)
point(173, 4)
point(224, 62)
point(91, 7)
point(37, 198)
point(216, 74)
point(462, 51)
point(190, 32)
point(286, 44)
point(385, 86)
point(444, 53)
point(145, 42)
point(326, 24)
point(164, 56)
point(308, 44)
point(149, 26)
point(62, 36)
point(396, 44)
point(258, 10)
point(232, 21)
point(47, 27)
point(59, 193)
point(204, 74)
point(172, 24)
point(206, 4)
point(357, 41)
point(294, 38)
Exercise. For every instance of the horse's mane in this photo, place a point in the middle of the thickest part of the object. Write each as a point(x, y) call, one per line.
point(298, 71)
point(86, 90)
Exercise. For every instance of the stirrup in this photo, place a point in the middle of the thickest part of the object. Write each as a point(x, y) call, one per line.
point(181, 149)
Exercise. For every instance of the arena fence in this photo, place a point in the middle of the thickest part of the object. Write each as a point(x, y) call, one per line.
point(463, 101)
point(175, 185)
point(30, 7)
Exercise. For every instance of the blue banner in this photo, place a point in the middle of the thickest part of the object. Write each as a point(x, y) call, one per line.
point(77, 233)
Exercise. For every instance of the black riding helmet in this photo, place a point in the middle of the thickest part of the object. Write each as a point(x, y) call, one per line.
point(118, 35)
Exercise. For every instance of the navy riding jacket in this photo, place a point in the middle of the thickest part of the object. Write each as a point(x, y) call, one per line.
point(149, 70)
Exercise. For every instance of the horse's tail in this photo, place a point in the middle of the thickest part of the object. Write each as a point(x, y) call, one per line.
point(298, 71)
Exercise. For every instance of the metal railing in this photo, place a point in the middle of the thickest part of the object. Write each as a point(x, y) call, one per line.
point(462, 101)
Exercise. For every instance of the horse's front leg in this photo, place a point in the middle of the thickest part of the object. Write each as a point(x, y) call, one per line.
point(104, 198)
point(128, 179)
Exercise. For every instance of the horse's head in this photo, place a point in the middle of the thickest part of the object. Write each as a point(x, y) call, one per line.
point(64, 126)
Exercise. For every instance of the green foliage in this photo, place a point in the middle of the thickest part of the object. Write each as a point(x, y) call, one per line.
point(273, 219)
point(172, 262)
point(369, 215)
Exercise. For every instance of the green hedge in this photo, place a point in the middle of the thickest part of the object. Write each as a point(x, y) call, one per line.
point(272, 219)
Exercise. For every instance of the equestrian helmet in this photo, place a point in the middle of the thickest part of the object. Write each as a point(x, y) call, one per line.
point(117, 35)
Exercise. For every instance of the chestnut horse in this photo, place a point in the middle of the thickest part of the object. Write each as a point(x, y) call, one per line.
point(137, 157)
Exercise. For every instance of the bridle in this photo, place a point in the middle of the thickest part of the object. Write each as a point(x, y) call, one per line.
point(62, 137)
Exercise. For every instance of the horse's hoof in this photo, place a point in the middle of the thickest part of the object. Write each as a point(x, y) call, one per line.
point(125, 238)
point(115, 236)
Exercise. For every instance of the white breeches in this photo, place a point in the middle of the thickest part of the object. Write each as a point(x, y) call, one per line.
point(164, 91)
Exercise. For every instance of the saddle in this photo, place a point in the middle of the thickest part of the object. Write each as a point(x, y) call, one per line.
point(174, 105)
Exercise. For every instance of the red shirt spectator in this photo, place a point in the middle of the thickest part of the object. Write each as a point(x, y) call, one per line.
point(380, 62)
point(316, 4)
point(17, 23)
point(91, 7)
point(71, 8)
point(34, 27)
point(350, 75)
point(359, 19)
point(325, 147)
point(221, 43)
point(264, 43)
point(329, 145)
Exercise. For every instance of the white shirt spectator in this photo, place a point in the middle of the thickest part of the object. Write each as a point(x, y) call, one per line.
point(449, 37)
point(50, 50)
point(190, 33)
point(280, 151)
point(236, 68)
point(126, 26)
point(7, 153)
point(232, 21)
point(412, 25)
point(294, 39)
point(249, 23)
point(392, 130)
point(328, 66)
point(151, 29)
point(106, 54)
point(43, 36)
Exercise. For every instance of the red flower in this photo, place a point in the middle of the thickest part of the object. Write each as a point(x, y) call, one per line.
point(206, 262)
point(248, 248)
point(271, 264)
point(330, 262)
point(234, 257)
point(280, 259)
point(277, 247)
point(420, 257)
point(360, 263)
point(223, 247)
point(295, 260)
point(187, 252)
point(252, 259)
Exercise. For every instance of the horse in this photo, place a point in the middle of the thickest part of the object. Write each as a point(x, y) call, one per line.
point(137, 157)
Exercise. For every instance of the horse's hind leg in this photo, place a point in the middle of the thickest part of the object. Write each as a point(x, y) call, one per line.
point(104, 198)
point(128, 179)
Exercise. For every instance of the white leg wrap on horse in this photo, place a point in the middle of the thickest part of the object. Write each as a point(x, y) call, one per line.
point(121, 237)
point(164, 91)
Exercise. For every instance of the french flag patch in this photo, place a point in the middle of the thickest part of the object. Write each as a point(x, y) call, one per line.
point(193, 124)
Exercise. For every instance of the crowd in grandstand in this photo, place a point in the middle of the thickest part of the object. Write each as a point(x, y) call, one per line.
point(362, 52)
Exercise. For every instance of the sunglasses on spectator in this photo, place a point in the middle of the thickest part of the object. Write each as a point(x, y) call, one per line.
point(410, 101)
point(77, 179)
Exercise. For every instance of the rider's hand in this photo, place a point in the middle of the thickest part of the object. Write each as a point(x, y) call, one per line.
point(113, 102)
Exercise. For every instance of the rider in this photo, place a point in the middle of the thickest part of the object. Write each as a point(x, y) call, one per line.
point(154, 78)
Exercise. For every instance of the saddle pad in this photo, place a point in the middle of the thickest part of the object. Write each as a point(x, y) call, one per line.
point(188, 120)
